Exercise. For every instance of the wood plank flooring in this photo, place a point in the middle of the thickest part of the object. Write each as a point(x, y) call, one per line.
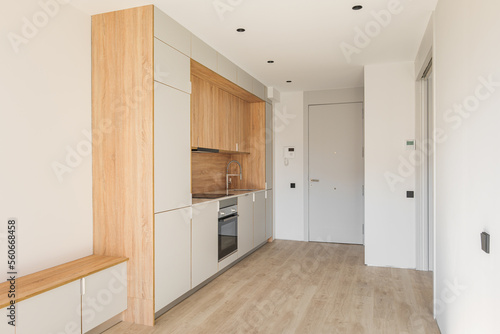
point(298, 287)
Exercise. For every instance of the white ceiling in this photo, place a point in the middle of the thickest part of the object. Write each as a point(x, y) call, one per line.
point(302, 37)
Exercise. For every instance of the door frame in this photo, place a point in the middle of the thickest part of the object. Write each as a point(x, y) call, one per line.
point(426, 188)
point(306, 178)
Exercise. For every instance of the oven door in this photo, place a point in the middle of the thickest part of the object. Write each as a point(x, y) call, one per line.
point(228, 236)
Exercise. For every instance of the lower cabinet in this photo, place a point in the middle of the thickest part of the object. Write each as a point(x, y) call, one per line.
point(245, 224)
point(55, 311)
point(269, 214)
point(259, 218)
point(105, 296)
point(172, 256)
point(205, 243)
point(4, 324)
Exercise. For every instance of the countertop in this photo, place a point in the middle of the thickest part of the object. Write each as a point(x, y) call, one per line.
point(232, 193)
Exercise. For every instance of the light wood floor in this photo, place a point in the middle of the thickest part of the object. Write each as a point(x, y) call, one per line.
point(299, 287)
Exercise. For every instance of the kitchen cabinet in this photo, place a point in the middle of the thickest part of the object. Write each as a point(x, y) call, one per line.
point(259, 218)
point(269, 214)
point(172, 33)
point(259, 89)
point(205, 243)
point(172, 256)
point(203, 53)
point(245, 80)
point(172, 149)
point(5, 328)
point(171, 67)
point(226, 68)
point(204, 121)
point(269, 145)
point(244, 121)
point(245, 224)
point(135, 53)
point(54, 311)
point(107, 288)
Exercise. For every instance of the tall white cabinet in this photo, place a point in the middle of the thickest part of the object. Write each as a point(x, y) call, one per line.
point(172, 256)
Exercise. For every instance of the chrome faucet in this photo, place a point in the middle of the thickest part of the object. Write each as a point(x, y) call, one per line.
point(228, 175)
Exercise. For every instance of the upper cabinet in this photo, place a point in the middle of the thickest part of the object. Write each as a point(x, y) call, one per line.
point(172, 33)
point(226, 68)
point(245, 80)
point(259, 89)
point(203, 53)
point(171, 67)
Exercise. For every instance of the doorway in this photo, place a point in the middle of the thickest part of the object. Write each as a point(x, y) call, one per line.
point(426, 175)
point(336, 173)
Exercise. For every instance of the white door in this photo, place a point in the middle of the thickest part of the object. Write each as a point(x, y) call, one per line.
point(336, 177)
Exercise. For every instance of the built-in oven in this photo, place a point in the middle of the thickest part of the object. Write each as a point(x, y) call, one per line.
point(228, 227)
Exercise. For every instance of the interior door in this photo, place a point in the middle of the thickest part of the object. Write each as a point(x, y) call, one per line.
point(336, 175)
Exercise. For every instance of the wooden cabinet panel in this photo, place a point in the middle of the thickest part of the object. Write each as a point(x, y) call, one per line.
point(245, 80)
point(269, 145)
point(223, 114)
point(171, 67)
point(269, 214)
point(259, 218)
point(205, 242)
point(203, 53)
point(244, 120)
point(55, 311)
point(226, 68)
point(172, 33)
point(108, 287)
point(172, 147)
point(203, 114)
point(172, 256)
point(245, 224)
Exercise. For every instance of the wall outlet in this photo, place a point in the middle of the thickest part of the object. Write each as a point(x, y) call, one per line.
point(292, 185)
point(410, 194)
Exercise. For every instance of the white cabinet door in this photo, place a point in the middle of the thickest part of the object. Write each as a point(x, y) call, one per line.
point(172, 149)
point(105, 296)
point(269, 214)
point(245, 224)
point(172, 256)
point(245, 80)
point(169, 31)
point(226, 68)
point(269, 145)
point(55, 311)
point(204, 53)
point(259, 89)
point(205, 242)
point(172, 67)
point(5, 328)
point(259, 218)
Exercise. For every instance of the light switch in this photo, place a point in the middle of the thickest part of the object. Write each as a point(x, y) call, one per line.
point(485, 242)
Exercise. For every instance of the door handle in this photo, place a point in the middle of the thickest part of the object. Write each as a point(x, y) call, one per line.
point(314, 180)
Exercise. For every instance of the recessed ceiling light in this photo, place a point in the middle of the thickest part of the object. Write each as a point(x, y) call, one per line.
point(289, 81)
point(270, 61)
point(240, 30)
point(357, 7)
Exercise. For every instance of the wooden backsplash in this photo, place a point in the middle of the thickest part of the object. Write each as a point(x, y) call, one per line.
point(209, 171)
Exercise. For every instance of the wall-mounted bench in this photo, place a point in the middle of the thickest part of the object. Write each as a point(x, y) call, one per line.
point(75, 297)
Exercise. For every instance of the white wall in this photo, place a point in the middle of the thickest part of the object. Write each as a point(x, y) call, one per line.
point(45, 105)
point(289, 131)
point(467, 55)
point(389, 122)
